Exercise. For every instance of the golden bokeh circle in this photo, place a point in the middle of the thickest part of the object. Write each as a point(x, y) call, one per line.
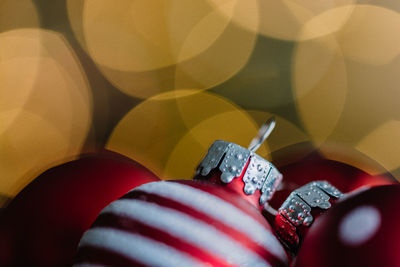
point(48, 117)
point(19, 57)
point(285, 133)
point(183, 44)
point(286, 19)
point(370, 35)
point(18, 14)
point(381, 143)
point(152, 130)
point(320, 85)
point(345, 87)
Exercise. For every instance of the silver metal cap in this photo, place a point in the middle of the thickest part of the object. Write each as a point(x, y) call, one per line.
point(231, 159)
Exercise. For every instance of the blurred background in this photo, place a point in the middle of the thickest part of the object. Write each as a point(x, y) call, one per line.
point(160, 80)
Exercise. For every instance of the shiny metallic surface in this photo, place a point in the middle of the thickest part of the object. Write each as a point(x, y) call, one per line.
point(271, 184)
point(296, 210)
point(297, 207)
point(213, 157)
point(231, 160)
point(262, 135)
point(234, 162)
point(256, 174)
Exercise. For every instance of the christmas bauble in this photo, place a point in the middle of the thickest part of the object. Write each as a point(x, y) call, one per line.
point(180, 223)
point(298, 176)
point(361, 230)
point(43, 224)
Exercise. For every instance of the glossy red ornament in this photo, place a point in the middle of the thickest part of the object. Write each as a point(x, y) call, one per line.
point(43, 224)
point(236, 185)
point(362, 230)
point(314, 167)
point(180, 223)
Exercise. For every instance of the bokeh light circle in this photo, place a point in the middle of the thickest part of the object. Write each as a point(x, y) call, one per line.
point(381, 143)
point(320, 85)
point(286, 19)
point(370, 35)
point(185, 44)
point(284, 135)
point(19, 57)
point(18, 14)
point(151, 132)
point(348, 88)
point(48, 114)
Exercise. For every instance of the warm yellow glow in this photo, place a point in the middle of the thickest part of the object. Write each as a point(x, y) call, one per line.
point(371, 35)
point(365, 33)
point(327, 22)
point(145, 35)
point(233, 126)
point(348, 154)
point(48, 116)
point(150, 132)
point(28, 146)
point(217, 64)
point(19, 57)
point(382, 145)
point(346, 85)
point(242, 13)
point(320, 85)
point(185, 44)
point(18, 14)
point(285, 19)
point(284, 134)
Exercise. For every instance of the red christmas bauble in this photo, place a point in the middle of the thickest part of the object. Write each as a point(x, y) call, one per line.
point(362, 230)
point(44, 222)
point(180, 223)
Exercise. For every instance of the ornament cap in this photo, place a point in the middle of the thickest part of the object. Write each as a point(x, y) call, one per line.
point(297, 209)
point(235, 161)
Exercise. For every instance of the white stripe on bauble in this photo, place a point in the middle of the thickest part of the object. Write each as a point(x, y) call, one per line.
point(218, 209)
point(186, 228)
point(136, 247)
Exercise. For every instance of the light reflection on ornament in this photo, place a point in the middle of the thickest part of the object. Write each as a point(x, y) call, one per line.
point(359, 225)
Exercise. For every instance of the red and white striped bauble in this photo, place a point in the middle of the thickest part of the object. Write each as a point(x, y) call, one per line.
point(180, 223)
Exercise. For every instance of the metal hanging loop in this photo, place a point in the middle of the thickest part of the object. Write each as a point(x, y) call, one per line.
point(262, 135)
